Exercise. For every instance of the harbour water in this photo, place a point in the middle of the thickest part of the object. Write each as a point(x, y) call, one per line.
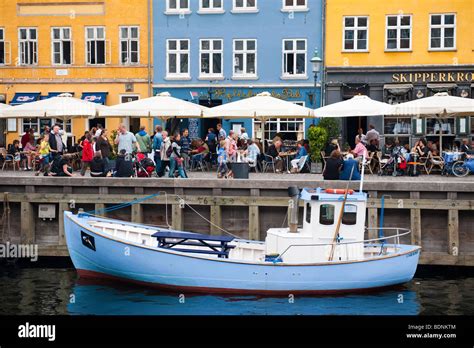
point(59, 291)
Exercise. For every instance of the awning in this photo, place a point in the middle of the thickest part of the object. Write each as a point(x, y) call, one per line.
point(96, 97)
point(22, 98)
point(441, 87)
point(398, 89)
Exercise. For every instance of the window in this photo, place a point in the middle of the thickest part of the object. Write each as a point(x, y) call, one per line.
point(326, 214)
point(398, 33)
point(445, 126)
point(61, 46)
point(177, 6)
point(294, 58)
point(292, 129)
point(356, 32)
point(245, 58)
point(292, 5)
point(443, 31)
point(129, 45)
point(397, 125)
point(177, 63)
point(308, 213)
point(2, 47)
point(37, 124)
point(60, 122)
point(95, 37)
point(28, 46)
point(350, 214)
point(245, 6)
point(207, 6)
point(210, 58)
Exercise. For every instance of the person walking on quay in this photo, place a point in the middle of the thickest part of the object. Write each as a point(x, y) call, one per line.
point(176, 158)
point(222, 160)
point(360, 136)
point(157, 141)
point(56, 142)
point(87, 154)
point(211, 140)
point(143, 141)
point(126, 140)
point(44, 154)
point(372, 135)
point(103, 146)
point(165, 155)
point(221, 132)
point(185, 144)
point(98, 131)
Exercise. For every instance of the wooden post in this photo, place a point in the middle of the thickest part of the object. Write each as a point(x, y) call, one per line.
point(99, 207)
point(63, 206)
point(137, 213)
point(415, 221)
point(216, 219)
point(254, 222)
point(453, 227)
point(27, 223)
point(177, 217)
point(373, 218)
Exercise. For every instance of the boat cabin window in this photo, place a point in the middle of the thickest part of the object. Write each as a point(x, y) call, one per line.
point(308, 213)
point(350, 214)
point(326, 214)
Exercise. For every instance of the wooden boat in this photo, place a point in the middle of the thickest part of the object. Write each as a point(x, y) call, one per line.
point(327, 254)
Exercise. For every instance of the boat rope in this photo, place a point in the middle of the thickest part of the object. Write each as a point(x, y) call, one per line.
point(120, 206)
point(205, 219)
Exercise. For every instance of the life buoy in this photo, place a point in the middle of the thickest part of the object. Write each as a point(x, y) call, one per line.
point(339, 191)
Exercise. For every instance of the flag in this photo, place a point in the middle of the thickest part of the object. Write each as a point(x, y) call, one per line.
point(194, 95)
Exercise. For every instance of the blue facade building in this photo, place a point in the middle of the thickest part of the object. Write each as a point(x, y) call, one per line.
point(218, 51)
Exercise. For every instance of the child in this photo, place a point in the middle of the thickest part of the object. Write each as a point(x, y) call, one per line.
point(222, 160)
point(44, 154)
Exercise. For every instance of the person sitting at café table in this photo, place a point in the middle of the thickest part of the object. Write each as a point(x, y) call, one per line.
point(333, 145)
point(29, 151)
point(252, 152)
point(301, 153)
point(350, 165)
point(15, 152)
point(199, 153)
point(275, 151)
point(359, 150)
point(465, 146)
point(387, 148)
point(333, 166)
point(420, 148)
point(373, 146)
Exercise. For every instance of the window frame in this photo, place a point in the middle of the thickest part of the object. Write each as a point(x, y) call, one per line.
point(295, 7)
point(356, 28)
point(4, 42)
point(399, 28)
point(245, 8)
point(443, 27)
point(245, 52)
point(297, 121)
point(27, 41)
point(129, 41)
point(178, 10)
point(211, 52)
point(178, 52)
point(211, 9)
point(295, 51)
point(61, 40)
point(87, 40)
point(333, 213)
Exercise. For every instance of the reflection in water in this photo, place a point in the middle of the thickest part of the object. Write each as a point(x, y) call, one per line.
point(59, 291)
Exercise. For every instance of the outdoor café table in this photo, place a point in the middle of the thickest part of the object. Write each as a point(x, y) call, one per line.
point(287, 155)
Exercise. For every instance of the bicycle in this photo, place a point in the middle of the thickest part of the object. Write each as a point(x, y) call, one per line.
point(463, 168)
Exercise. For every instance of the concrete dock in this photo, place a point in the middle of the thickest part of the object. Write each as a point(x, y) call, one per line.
point(438, 210)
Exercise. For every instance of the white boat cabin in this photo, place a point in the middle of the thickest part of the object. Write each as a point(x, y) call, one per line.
point(320, 218)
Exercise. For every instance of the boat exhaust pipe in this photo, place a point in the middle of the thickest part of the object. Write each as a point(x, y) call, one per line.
point(293, 208)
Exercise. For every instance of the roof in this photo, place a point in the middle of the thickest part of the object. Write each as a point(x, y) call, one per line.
point(309, 194)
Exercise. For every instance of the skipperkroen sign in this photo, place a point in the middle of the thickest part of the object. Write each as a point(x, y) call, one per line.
point(434, 77)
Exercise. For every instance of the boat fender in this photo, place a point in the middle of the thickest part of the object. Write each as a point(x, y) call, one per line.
point(339, 191)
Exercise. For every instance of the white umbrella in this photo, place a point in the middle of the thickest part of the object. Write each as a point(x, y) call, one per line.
point(63, 106)
point(3, 108)
point(162, 105)
point(261, 107)
point(357, 106)
point(441, 104)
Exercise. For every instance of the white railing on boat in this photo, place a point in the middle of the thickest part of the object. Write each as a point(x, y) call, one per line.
point(400, 233)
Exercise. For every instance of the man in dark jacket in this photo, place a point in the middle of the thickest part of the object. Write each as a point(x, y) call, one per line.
point(56, 142)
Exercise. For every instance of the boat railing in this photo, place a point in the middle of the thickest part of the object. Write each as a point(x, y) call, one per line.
point(400, 232)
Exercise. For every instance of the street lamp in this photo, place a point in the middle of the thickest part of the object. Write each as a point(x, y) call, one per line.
point(316, 62)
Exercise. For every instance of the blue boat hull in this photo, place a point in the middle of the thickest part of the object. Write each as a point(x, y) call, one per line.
point(165, 269)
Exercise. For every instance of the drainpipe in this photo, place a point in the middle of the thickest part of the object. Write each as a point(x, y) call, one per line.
point(150, 78)
point(323, 75)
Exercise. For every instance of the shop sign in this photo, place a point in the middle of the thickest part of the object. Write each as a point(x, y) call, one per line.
point(230, 94)
point(427, 77)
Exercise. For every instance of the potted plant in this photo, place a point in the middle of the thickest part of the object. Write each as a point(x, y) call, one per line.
point(318, 137)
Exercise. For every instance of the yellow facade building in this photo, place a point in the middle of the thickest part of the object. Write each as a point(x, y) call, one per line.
point(97, 50)
point(396, 51)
